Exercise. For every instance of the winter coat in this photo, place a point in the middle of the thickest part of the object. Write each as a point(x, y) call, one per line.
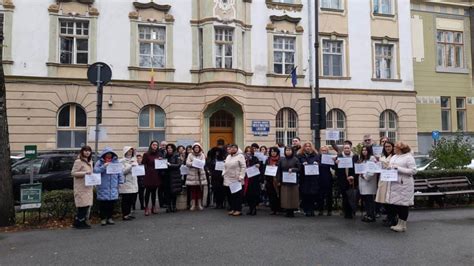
point(252, 184)
point(402, 191)
point(195, 177)
point(173, 174)
point(271, 182)
point(343, 173)
point(325, 177)
point(130, 184)
point(368, 181)
point(309, 184)
point(289, 193)
point(83, 195)
point(234, 169)
point(217, 180)
point(383, 186)
point(109, 187)
point(152, 178)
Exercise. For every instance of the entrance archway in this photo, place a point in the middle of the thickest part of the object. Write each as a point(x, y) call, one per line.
point(223, 122)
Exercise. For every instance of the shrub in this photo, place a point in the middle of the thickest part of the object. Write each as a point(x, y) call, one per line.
point(452, 153)
point(59, 204)
point(469, 173)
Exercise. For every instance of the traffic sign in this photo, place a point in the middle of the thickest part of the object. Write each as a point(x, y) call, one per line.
point(30, 196)
point(435, 135)
point(31, 151)
point(99, 74)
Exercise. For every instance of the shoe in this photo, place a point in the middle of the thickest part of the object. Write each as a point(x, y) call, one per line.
point(132, 217)
point(103, 222)
point(329, 214)
point(200, 207)
point(127, 218)
point(110, 221)
point(193, 206)
point(154, 210)
point(230, 213)
point(76, 223)
point(368, 219)
point(147, 212)
point(84, 225)
point(168, 210)
point(254, 212)
point(400, 227)
point(237, 213)
point(320, 213)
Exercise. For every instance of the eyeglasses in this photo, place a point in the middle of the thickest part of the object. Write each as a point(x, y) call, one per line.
point(367, 140)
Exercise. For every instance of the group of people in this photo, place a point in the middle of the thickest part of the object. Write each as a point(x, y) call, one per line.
point(287, 178)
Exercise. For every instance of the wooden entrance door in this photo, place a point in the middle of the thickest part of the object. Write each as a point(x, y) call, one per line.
point(221, 130)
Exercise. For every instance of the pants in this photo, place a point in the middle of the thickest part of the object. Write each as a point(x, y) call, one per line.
point(141, 197)
point(394, 210)
point(308, 201)
point(82, 213)
point(346, 207)
point(196, 192)
point(106, 208)
point(219, 195)
point(150, 191)
point(235, 200)
point(127, 202)
point(252, 201)
point(162, 196)
point(134, 201)
point(273, 198)
point(369, 205)
point(325, 199)
point(171, 201)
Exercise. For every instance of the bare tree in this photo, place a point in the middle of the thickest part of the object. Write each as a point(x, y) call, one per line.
point(7, 210)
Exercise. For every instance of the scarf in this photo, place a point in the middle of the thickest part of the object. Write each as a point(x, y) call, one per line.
point(273, 160)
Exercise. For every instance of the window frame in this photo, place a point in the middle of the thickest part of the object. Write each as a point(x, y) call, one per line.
point(224, 44)
point(286, 129)
point(379, 3)
point(152, 109)
point(343, 58)
point(394, 73)
point(332, 124)
point(446, 45)
point(284, 51)
point(74, 37)
point(461, 110)
point(447, 109)
point(72, 128)
point(386, 129)
point(152, 42)
point(331, 8)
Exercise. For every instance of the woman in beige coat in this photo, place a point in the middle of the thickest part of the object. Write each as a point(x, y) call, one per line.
point(83, 195)
point(234, 172)
point(196, 178)
point(384, 186)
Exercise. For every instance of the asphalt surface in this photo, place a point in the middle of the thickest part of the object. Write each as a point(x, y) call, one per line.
point(210, 237)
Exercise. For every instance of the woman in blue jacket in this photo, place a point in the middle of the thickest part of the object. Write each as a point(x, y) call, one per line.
point(108, 190)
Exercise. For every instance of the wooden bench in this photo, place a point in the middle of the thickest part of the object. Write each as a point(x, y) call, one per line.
point(437, 188)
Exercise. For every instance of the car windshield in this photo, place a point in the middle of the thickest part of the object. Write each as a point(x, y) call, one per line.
point(422, 161)
point(24, 167)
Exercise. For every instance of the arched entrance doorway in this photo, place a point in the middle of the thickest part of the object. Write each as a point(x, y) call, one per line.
point(223, 123)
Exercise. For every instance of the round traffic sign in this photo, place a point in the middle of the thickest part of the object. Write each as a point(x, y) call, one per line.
point(99, 73)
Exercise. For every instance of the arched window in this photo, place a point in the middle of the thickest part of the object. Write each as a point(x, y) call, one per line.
point(388, 125)
point(151, 125)
point(336, 120)
point(71, 126)
point(286, 126)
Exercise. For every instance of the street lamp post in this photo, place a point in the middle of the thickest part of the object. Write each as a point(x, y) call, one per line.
point(317, 102)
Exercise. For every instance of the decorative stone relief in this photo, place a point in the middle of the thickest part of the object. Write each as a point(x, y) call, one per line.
point(224, 10)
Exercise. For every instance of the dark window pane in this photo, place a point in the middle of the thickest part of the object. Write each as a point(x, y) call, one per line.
point(81, 117)
point(159, 117)
point(64, 117)
point(64, 139)
point(159, 135)
point(80, 138)
point(144, 118)
point(82, 58)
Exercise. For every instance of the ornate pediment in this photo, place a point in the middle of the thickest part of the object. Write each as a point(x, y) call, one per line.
point(285, 18)
point(152, 5)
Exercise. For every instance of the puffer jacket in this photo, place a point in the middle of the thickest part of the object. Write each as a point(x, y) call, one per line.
point(383, 186)
point(195, 177)
point(109, 187)
point(234, 169)
point(402, 192)
point(83, 195)
point(173, 173)
point(130, 184)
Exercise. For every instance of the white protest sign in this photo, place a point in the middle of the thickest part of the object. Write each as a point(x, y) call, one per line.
point(345, 162)
point(289, 177)
point(374, 167)
point(332, 135)
point(161, 164)
point(282, 151)
point(198, 163)
point(102, 134)
point(114, 168)
point(389, 175)
point(93, 180)
point(235, 187)
point(184, 170)
point(360, 168)
point(327, 159)
point(138, 170)
point(311, 169)
point(252, 171)
point(271, 170)
point(261, 157)
point(219, 166)
point(377, 150)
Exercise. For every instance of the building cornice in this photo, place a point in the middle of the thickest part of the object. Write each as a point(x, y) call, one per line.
point(152, 5)
point(287, 18)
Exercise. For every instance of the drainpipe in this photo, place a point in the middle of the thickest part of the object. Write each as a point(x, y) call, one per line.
point(311, 50)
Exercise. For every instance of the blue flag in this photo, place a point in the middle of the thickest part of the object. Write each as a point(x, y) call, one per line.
point(294, 79)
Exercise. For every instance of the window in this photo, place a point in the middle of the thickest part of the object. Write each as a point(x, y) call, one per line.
point(383, 7)
point(286, 126)
point(336, 120)
point(449, 49)
point(388, 125)
point(72, 127)
point(224, 42)
point(73, 42)
point(445, 113)
point(283, 55)
point(152, 46)
point(461, 113)
point(151, 125)
point(331, 4)
point(284, 1)
point(332, 58)
point(384, 61)
point(221, 119)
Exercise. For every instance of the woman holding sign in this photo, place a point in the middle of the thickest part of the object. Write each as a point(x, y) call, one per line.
point(271, 182)
point(234, 173)
point(252, 183)
point(196, 178)
point(289, 168)
point(325, 184)
point(173, 175)
point(83, 195)
point(309, 178)
point(129, 188)
point(152, 180)
point(111, 171)
point(401, 194)
point(367, 184)
point(347, 183)
point(215, 155)
point(384, 186)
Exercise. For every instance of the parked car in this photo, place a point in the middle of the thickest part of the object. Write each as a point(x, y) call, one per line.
point(471, 165)
point(15, 159)
point(52, 170)
point(424, 162)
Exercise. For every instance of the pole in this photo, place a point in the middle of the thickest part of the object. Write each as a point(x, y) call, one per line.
point(317, 133)
point(98, 106)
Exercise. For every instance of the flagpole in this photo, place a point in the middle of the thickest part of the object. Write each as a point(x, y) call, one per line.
point(317, 130)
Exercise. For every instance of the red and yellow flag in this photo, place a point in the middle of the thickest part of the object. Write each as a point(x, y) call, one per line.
point(152, 78)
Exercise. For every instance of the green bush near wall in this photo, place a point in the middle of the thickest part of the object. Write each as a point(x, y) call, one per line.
point(427, 174)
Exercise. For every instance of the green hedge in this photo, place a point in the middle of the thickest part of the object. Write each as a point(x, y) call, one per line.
point(469, 173)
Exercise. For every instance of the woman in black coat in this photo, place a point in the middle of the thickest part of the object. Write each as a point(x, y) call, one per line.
point(252, 184)
point(347, 180)
point(325, 185)
point(173, 177)
point(309, 184)
point(217, 181)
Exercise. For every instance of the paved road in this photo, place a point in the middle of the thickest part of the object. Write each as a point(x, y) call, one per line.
point(437, 237)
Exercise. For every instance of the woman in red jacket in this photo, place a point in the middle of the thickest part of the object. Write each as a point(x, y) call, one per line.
point(152, 180)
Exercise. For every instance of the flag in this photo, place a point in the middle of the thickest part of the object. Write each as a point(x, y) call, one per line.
point(152, 79)
point(294, 79)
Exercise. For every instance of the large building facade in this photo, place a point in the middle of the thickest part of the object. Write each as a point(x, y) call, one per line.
point(218, 66)
point(443, 69)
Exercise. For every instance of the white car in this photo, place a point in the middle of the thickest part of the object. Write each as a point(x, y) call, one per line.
point(471, 166)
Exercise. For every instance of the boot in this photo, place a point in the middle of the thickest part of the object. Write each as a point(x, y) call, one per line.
point(147, 212)
point(83, 225)
point(76, 223)
point(200, 205)
point(154, 210)
point(400, 227)
point(193, 205)
point(173, 207)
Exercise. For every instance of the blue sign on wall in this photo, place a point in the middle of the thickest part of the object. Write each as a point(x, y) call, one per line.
point(435, 135)
point(260, 127)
